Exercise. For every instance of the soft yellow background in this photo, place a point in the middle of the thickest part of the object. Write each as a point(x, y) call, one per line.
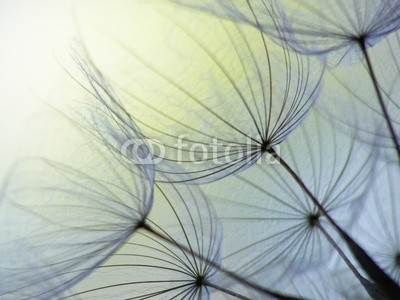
point(37, 37)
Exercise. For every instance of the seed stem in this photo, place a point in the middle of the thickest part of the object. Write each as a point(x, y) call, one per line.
point(234, 294)
point(368, 286)
point(378, 92)
point(217, 266)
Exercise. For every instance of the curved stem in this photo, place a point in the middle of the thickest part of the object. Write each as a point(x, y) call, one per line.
point(217, 266)
point(378, 92)
point(368, 286)
point(340, 252)
point(236, 295)
point(386, 284)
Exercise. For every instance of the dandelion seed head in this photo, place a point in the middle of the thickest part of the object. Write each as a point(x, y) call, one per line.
point(332, 28)
point(199, 281)
point(236, 96)
point(313, 219)
point(72, 217)
point(336, 29)
point(350, 101)
point(397, 259)
point(149, 266)
point(265, 146)
point(275, 221)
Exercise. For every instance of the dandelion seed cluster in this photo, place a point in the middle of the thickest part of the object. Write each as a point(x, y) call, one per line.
point(255, 155)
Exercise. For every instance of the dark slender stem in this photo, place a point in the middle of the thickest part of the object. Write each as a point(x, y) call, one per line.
point(368, 286)
point(341, 253)
point(380, 97)
point(302, 185)
point(217, 266)
point(236, 295)
point(386, 284)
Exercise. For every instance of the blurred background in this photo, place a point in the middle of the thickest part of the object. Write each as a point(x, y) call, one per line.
point(36, 70)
